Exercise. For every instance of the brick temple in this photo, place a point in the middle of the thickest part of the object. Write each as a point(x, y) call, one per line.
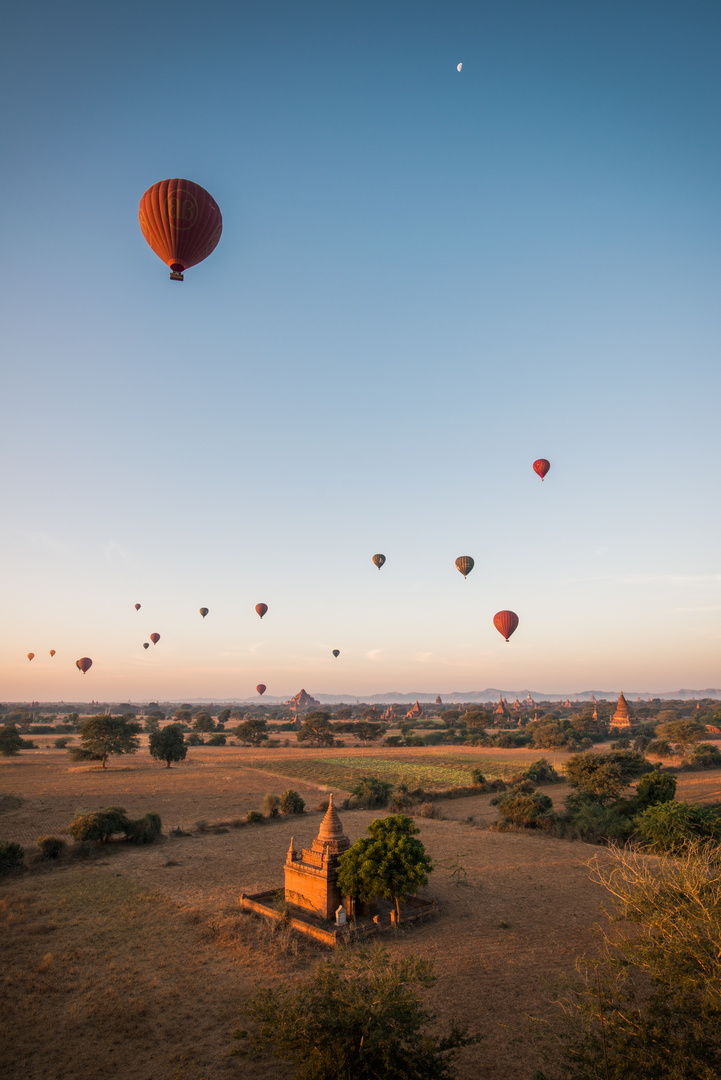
point(622, 718)
point(310, 876)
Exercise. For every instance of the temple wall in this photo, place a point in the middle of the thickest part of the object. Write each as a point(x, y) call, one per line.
point(312, 891)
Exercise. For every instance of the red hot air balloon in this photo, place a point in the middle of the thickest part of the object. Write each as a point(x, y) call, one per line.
point(137, 607)
point(52, 652)
point(31, 655)
point(155, 638)
point(84, 664)
point(181, 222)
point(204, 611)
point(505, 623)
point(261, 688)
point(261, 609)
point(541, 467)
point(146, 644)
point(379, 560)
point(336, 653)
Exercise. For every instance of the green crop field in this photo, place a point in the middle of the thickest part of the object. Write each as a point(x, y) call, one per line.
point(426, 771)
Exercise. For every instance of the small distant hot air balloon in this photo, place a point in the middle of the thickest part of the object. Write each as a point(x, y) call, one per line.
point(31, 655)
point(505, 623)
point(379, 560)
point(155, 638)
point(261, 609)
point(459, 66)
point(146, 644)
point(204, 611)
point(84, 664)
point(137, 607)
point(541, 466)
point(261, 688)
point(52, 652)
point(181, 222)
point(465, 564)
point(336, 653)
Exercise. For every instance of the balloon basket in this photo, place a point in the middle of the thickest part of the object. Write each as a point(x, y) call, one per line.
point(175, 276)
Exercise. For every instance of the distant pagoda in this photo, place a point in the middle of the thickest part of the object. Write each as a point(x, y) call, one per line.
point(622, 717)
point(438, 700)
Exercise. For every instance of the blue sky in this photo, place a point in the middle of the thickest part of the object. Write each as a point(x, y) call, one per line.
point(426, 280)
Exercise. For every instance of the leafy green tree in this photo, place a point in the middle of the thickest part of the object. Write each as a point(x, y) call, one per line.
point(153, 719)
point(103, 735)
point(169, 744)
point(673, 826)
point(706, 756)
point(183, 715)
point(682, 732)
point(655, 788)
point(203, 722)
point(388, 863)
point(359, 1017)
point(217, 739)
point(477, 720)
point(368, 732)
point(316, 729)
point(343, 714)
point(371, 792)
point(10, 740)
point(254, 732)
point(532, 810)
point(224, 716)
point(97, 828)
point(602, 777)
point(649, 1006)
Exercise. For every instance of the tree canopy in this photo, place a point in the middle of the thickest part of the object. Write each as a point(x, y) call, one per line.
point(103, 735)
point(252, 731)
point(388, 863)
point(316, 729)
point(10, 740)
point(169, 744)
point(682, 732)
point(603, 776)
point(359, 1017)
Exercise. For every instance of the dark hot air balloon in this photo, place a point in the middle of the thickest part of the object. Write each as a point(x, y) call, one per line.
point(31, 655)
point(155, 638)
point(465, 564)
point(336, 653)
point(181, 222)
point(505, 622)
point(137, 607)
point(379, 560)
point(84, 664)
point(146, 644)
point(204, 611)
point(541, 467)
point(261, 688)
point(261, 609)
point(52, 652)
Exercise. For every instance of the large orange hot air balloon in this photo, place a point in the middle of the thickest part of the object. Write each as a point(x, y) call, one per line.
point(465, 564)
point(505, 622)
point(31, 655)
point(204, 611)
point(84, 664)
point(155, 638)
point(146, 644)
point(137, 607)
point(52, 652)
point(261, 609)
point(181, 222)
point(379, 560)
point(261, 688)
point(541, 466)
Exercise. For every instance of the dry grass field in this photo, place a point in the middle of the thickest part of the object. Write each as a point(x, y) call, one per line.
point(129, 963)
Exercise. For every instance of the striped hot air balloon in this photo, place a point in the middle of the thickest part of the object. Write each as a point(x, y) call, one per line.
point(84, 664)
point(465, 564)
point(155, 638)
point(541, 466)
point(181, 222)
point(261, 609)
point(379, 560)
point(505, 623)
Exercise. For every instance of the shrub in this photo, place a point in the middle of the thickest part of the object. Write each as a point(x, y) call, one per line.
point(595, 823)
point(61, 743)
point(271, 805)
point(194, 739)
point(99, 827)
point(659, 748)
point(217, 739)
point(672, 826)
point(254, 817)
point(11, 856)
point(542, 772)
point(291, 803)
point(706, 756)
point(529, 809)
point(202, 825)
point(654, 788)
point(429, 810)
point(477, 776)
point(50, 846)
point(399, 800)
point(370, 792)
point(145, 830)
